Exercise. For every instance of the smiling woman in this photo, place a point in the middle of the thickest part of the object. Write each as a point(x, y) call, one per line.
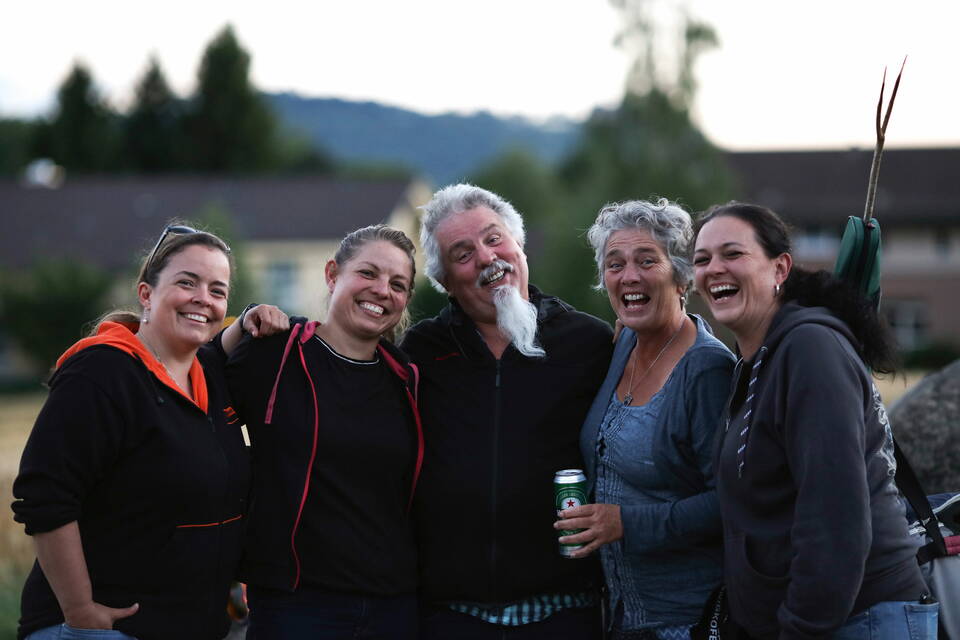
point(806, 440)
point(337, 448)
point(647, 439)
point(133, 482)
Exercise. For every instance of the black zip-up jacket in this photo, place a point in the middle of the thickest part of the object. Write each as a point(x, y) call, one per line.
point(157, 487)
point(496, 432)
point(814, 531)
point(281, 482)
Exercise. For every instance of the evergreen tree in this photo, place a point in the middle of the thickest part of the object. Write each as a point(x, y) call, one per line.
point(153, 135)
point(16, 139)
point(230, 127)
point(84, 133)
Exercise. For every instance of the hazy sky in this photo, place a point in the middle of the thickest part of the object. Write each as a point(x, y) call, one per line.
point(786, 75)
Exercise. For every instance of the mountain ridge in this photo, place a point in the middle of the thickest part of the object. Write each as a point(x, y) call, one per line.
point(444, 148)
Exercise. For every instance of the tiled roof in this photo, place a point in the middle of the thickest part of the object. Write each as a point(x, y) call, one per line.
point(916, 187)
point(108, 220)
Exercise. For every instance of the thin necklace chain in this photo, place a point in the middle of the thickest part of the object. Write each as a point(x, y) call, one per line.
point(628, 399)
point(162, 363)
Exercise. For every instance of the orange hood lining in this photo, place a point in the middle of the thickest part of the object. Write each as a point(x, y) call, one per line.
point(122, 336)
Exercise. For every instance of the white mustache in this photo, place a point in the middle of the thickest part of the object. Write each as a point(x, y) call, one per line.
point(495, 266)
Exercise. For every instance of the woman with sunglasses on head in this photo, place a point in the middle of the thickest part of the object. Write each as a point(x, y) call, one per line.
point(337, 447)
point(134, 480)
point(815, 539)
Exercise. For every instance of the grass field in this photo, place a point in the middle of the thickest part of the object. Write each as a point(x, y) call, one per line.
point(16, 551)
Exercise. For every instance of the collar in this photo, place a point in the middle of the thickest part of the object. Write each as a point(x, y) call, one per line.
point(121, 336)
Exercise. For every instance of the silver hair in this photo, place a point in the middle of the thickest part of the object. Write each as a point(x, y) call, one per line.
point(670, 226)
point(455, 199)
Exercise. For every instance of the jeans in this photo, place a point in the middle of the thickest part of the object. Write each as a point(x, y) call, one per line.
point(328, 615)
point(567, 624)
point(892, 621)
point(66, 632)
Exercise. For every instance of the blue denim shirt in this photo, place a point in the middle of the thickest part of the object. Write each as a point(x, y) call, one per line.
point(655, 461)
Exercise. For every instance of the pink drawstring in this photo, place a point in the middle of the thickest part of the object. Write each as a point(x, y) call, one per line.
point(305, 332)
point(308, 330)
point(412, 398)
point(276, 383)
point(313, 455)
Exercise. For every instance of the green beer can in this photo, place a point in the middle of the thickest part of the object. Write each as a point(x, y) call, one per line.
point(569, 490)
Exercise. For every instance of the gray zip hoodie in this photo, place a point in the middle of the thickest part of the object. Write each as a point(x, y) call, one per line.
point(814, 531)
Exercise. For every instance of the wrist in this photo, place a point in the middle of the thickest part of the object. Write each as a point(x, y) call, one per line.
point(243, 316)
point(76, 611)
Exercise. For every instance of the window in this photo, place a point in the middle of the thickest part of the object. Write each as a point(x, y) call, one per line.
point(280, 285)
point(815, 241)
point(908, 320)
point(941, 240)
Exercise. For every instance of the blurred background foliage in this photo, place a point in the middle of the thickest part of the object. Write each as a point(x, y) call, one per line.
point(646, 147)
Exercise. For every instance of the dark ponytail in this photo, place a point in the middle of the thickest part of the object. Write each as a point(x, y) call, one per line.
point(878, 349)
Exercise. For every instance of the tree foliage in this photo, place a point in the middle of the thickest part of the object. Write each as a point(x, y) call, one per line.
point(153, 129)
point(84, 134)
point(230, 127)
point(45, 309)
point(645, 148)
point(224, 126)
point(17, 138)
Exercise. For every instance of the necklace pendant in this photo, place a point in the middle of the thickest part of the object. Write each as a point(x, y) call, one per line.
point(628, 399)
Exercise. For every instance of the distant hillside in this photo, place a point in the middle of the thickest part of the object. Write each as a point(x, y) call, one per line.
point(443, 148)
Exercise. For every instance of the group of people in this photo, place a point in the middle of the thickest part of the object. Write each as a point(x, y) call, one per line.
point(396, 480)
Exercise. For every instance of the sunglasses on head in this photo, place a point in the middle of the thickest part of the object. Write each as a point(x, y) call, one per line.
point(178, 229)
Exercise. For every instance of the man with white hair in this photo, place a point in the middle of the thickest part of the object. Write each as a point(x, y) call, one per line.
point(507, 376)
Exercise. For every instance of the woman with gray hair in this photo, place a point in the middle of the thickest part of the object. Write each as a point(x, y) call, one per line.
point(647, 440)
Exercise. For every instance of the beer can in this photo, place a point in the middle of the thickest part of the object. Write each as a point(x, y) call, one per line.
point(569, 490)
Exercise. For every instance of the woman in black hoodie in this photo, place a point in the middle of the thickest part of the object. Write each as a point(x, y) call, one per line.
point(134, 480)
point(815, 538)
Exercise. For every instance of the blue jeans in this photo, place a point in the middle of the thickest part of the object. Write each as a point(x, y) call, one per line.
point(441, 623)
point(66, 632)
point(892, 621)
point(328, 615)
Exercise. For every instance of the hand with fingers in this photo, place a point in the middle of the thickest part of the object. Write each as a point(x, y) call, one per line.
point(93, 615)
point(601, 525)
point(265, 320)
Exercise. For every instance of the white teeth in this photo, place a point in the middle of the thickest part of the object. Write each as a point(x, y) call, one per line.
point(369, 306)
point(723, 287)
point(498, 275)
point(195, 316)
point(635, 297)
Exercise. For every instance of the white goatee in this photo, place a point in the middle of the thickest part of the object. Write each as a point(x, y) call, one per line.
point(517, 319)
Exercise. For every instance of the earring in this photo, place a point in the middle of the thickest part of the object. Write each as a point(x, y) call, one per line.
point(145, 316)
point(776, 290)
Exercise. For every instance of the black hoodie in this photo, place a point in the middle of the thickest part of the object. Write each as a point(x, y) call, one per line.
point(157, 483)
point(814, 530)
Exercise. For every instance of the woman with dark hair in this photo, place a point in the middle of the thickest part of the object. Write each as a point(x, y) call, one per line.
point(337, 448)
point(133, 482)
point(815, 539)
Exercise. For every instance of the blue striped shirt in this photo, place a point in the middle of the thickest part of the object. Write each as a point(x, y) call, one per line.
point(533, 609)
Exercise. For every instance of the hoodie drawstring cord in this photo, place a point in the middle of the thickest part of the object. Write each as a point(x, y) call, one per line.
point(745, 431)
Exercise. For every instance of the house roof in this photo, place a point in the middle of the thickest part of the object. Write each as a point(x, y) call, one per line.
point(916, 187)
point(106, 220)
